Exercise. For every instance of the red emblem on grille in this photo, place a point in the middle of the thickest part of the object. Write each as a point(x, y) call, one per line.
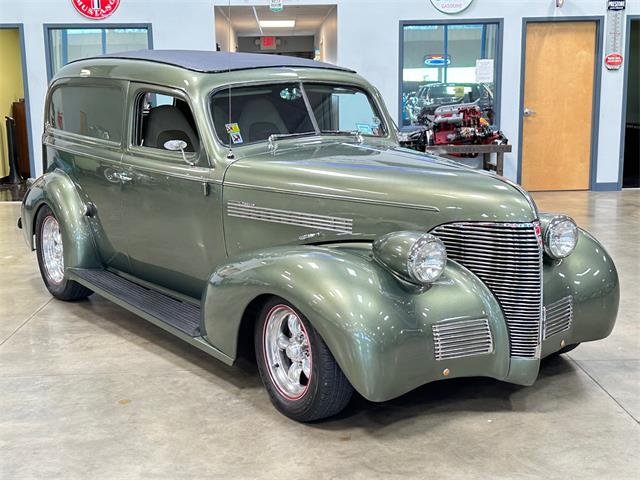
point(96, 9)
point(538, 231)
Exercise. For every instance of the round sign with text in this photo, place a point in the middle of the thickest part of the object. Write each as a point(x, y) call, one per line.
point(96, 9)
point(613, 61)
point(451, 6)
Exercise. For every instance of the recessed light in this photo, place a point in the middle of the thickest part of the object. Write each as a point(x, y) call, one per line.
point(277, 23)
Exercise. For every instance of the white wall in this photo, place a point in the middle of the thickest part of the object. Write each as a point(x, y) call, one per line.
point(370, 44)
point(183, 24)
point(328, 38)
point(368, 40)
point(226, 35)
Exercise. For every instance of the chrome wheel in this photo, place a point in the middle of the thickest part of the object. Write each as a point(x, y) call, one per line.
point(287, 352)
point(52, 254)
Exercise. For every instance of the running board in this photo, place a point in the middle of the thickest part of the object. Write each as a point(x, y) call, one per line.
point(182, 316)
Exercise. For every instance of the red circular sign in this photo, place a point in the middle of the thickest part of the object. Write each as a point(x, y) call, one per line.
point(96, 9)
point(613, 60)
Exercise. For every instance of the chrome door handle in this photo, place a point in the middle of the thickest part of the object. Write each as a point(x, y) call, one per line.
point(528, 113)
point(123, 177)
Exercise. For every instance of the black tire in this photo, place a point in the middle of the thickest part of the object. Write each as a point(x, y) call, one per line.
point(328, 391)
point(66, 289)
point(567, 348)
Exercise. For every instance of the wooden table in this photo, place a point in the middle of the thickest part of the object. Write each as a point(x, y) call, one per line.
point(484, 150)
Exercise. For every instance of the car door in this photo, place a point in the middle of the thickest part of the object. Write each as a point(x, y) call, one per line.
point(171, 199)
point(83, 136)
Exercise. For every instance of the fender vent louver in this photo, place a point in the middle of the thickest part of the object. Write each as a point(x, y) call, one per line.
point(558, 316)
point(461, 338)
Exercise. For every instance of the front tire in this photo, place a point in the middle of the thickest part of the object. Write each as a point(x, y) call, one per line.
point(50, 252)
point(299, 372)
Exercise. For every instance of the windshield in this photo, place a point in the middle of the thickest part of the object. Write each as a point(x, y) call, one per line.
point(258, 112)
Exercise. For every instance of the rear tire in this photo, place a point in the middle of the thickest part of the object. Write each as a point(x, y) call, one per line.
point(299, 372)
point(50, 252)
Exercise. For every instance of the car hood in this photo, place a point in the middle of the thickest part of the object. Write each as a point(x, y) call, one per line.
point(386, 176)
point(322, 192)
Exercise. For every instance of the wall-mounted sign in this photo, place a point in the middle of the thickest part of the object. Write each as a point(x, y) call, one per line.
point(268, 43)
point(95, 9)
point(615, 25)
point(451, 6)
point(276, 5)
point(613, 61)
point(438, 60)
point(484, 70)
point(616, 4)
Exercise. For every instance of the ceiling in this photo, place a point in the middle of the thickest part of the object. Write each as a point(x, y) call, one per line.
point(243, 19)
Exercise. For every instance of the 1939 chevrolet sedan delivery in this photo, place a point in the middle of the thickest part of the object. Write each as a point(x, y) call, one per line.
point(262, 204)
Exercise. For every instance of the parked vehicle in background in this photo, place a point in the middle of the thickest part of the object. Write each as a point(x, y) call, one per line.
point(261, 204)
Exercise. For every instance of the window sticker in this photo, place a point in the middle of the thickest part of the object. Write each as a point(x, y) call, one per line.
point(236, 137)
point(364, 128)
point(232, 128)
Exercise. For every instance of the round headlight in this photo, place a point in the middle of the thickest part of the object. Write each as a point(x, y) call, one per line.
point(560, 237)
point(427, 259)
point(415, 257)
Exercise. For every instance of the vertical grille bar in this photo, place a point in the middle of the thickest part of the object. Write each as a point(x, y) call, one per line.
point(507, 257)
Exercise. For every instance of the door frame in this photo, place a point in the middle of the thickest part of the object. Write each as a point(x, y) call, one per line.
point(625, 89)
point(595, 105)
point(25, 88)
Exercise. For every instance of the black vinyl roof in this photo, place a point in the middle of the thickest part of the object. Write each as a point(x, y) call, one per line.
point(216, 62)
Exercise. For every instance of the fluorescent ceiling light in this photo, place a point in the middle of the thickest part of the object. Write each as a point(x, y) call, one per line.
point(277, 23)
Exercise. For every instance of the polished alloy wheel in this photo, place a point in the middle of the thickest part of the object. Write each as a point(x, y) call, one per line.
point(287, 352)
point(52, 253)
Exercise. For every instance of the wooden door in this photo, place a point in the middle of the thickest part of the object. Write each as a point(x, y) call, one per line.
point(558, 103)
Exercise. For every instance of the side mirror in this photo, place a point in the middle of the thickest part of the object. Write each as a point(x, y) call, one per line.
point(175, 145)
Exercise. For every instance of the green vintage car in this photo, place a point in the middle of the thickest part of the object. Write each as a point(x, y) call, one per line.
point(260, 205)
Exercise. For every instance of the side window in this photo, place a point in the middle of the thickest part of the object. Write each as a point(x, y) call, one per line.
point(160, 118)
point(93, 111)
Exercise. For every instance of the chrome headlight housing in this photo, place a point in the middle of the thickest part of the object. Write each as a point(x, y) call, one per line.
point(560, 236)
point(416, 257)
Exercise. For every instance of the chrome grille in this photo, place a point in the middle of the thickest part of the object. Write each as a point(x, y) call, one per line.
point(558, 316)
point(507, 257)
point(461, 338)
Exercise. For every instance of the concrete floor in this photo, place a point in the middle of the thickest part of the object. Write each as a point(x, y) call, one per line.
point(88, 390)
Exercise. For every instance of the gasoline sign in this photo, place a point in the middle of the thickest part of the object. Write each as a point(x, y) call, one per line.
point(451, 6)
point(276, 5)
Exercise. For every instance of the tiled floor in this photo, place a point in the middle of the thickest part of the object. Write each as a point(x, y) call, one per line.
point(88, 390)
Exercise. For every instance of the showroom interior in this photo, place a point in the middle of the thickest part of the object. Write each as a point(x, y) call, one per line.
point(539, 96)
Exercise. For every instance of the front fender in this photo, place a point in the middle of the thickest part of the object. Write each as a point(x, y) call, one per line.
point(58, 191)
point(590, 277)
point(378, 329)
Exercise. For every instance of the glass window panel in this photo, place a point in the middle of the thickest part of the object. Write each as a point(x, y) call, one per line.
point(258, 112)
point(69, 44)
point(346, 109)
point(93, 111)
point(439, 67)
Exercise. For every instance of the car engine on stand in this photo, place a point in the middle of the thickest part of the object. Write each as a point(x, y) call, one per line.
point(461, 124)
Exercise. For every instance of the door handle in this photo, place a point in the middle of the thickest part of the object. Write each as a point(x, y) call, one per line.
point(123, 177)
point(528, 113)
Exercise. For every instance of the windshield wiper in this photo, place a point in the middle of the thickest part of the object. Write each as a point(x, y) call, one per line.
point(352, 133)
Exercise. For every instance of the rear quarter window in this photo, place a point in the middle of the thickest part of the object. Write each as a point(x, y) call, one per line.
point(92, 111)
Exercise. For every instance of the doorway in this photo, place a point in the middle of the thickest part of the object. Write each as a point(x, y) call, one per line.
point(558, 107)
point(631, 125)
point(307, 31)
point(15, 166)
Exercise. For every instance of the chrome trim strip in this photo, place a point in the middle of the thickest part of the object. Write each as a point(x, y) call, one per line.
point(332, 197)
point(289, 217)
